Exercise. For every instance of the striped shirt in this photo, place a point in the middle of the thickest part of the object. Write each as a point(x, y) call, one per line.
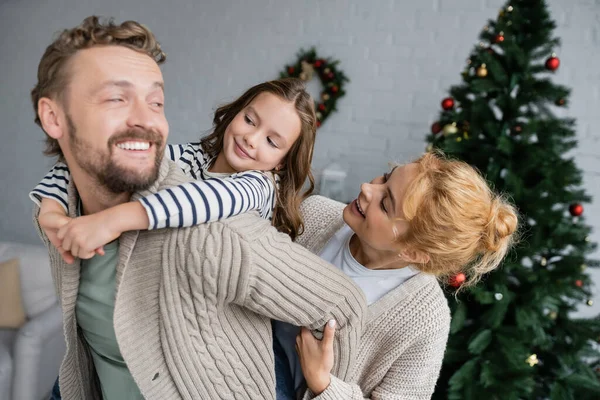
point(210, 197)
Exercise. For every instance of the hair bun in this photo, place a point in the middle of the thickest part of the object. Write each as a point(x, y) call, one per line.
point(501, 226)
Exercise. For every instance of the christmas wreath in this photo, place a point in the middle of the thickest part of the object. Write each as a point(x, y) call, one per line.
point(333, 80)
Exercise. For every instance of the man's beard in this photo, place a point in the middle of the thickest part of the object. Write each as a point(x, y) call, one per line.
point(105, 170)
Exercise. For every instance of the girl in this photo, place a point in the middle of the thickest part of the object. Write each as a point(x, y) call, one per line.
point(429, 219)
point(271, 128)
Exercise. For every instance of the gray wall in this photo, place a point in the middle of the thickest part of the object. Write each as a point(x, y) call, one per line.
point(401, 55)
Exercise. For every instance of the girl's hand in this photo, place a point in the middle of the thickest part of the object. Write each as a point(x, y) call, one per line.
point(316, 357)
point(52, 217)
point(86, 236)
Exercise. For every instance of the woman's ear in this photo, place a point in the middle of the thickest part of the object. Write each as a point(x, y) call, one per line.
point(414, 256)
point(48, 112)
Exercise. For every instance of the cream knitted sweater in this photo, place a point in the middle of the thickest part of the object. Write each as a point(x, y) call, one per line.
point(193, 307)
point(403, 342)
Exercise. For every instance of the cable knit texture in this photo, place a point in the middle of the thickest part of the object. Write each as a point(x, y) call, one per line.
point(193, 307)
point(403, 342)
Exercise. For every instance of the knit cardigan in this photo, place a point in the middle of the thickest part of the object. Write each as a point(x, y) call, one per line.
point(403, 342)
point(193, 307)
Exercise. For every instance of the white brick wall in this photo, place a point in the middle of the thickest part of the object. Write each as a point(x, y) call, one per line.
point(401, 57)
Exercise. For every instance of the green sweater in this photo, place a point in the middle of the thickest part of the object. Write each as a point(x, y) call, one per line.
point(193, 307)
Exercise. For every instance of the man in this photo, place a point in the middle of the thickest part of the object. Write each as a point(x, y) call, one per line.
point(165, 314)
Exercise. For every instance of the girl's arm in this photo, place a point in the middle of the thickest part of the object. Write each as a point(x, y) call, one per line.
point(189, 204)
point(197, 202)
point(54, 187)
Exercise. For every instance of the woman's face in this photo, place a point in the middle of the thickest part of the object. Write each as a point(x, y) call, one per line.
point(376, 215)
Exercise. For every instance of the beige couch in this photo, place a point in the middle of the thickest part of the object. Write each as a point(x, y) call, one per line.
point(31, 355)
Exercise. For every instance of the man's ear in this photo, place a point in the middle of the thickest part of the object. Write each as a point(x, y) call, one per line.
point(414, 256)
point(48, 112)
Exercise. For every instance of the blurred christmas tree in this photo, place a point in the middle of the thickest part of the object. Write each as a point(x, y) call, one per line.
point(512, 336)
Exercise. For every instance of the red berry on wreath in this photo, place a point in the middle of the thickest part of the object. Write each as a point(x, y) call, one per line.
point(318, 63)
point(448, 103)
point(576, 209)
point(334, 89)
point(318, 124)
point(579, 283)
point(457, 280)
point(330, 75)
point(436, 128)
point(290, 70)
point(552, 63)
point(499, 38)
point(322, 107)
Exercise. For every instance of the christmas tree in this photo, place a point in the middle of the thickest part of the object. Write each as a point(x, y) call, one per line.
point(512, 335)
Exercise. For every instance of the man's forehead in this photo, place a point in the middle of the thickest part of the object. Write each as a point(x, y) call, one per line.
point(115, 64)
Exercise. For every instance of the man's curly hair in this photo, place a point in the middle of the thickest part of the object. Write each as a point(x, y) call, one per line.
point(53, 71)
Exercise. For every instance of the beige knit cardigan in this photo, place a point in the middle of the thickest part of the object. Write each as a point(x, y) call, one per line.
point(193, 307)
point(403, 342)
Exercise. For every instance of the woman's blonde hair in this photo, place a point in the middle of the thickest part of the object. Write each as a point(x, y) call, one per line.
point(456, 219)
point(296, 168)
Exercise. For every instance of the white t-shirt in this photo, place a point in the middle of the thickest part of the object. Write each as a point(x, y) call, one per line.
point(374, 283)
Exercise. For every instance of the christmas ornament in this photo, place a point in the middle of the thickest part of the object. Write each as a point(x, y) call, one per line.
point(553, 315)
point(579, 283)
point(458, 139)
point(457, 280)
point(436, 128)
point(429, 147)
point(517, 129)
point(319, 115)
point(590, 302)
point(552, 63)
point(448, 103)
point(450, 129)
point(532, 360)
point(509, 8)
point(583, 267)
point(499, 38)
point(576, 209)
point(307, 71)
point(498, 296)
point(482, 71)
point(560, 102)
point(543, 261)
point(307, 66)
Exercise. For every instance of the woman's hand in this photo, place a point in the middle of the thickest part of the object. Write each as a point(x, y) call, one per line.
point(316, 357)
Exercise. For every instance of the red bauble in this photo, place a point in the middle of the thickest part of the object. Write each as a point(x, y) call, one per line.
point(330, 75)
point(290, 70)
point(576, 210)
point(448, 103)
point(579, 283)
point(322, 107)
point(552, 63)
point(334, 89)
point(319, 63)
point(458, 280)
point(499, 38)
point(436, 128)
point(318, 124)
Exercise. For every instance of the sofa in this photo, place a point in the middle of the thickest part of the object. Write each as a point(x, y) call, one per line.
point(30, 356)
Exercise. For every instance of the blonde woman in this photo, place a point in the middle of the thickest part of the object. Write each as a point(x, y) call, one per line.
point(421, 222)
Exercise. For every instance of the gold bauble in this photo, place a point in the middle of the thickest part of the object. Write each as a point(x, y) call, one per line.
point(532, 360)
point(482, 71)
point(450, 129)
